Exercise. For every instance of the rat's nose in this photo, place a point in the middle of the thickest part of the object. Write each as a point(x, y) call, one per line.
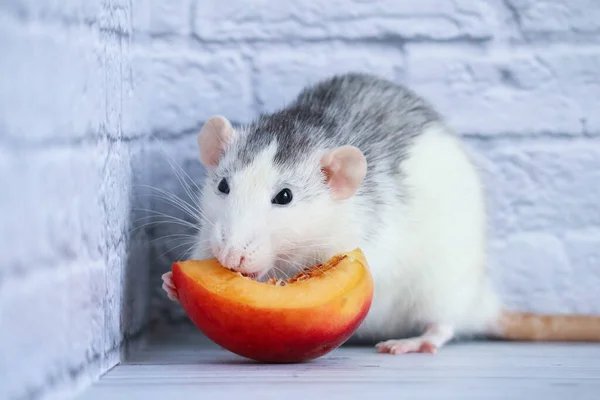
point(231, 259)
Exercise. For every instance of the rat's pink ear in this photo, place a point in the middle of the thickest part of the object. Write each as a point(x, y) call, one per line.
point(345, 168)
point(215, 136)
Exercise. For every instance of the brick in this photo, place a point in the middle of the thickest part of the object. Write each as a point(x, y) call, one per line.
point(283, 20)
point(549, 186)
point(73, 11)
point(115, 16)
point(51, 323)
point(53, 80)
point(116, 91)
point(533, 92)
point(63, 207)
point(162, 17)
point(283, 74)
point(556, 19)
point(114, 192)
point(66, 253)
point(583, 250)
point(531, 272)
point(176, 91)
point(66, 208)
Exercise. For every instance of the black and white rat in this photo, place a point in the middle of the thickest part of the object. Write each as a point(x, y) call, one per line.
point(359, 161)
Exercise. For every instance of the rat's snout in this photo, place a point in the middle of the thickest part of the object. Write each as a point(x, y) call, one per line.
point(238, 260)
point(231, 258)
point(239, 250)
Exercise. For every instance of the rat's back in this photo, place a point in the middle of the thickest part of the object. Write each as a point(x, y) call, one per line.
point(380, 117)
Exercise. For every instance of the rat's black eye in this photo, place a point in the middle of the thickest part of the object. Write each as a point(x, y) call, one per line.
point(223, 186)
point(284, 197)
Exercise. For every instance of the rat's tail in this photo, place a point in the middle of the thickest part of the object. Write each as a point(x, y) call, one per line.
point(521, 326)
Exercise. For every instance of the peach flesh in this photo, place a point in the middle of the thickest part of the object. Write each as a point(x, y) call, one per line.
point(308, 317)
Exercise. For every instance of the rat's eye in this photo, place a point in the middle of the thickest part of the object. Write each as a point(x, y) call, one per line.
point(223, 186)
point(284, 197)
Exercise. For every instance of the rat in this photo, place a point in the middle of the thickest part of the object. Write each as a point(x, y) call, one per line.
point(359, 161)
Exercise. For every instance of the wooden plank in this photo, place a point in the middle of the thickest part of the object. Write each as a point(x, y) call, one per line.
point(183, 364)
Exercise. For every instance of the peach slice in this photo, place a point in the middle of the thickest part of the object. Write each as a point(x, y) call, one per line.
point(296, 320)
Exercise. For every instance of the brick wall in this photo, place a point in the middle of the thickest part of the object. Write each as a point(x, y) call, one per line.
point(73, 280)
point(88, 86)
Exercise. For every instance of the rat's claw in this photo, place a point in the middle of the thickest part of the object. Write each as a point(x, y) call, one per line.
point(168, 286)
point(172, 294)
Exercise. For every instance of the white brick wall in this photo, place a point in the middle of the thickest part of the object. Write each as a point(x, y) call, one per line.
point(73, 281)
point(85, 84)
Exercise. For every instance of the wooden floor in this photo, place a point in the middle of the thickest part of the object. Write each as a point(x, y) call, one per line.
point(181, 365)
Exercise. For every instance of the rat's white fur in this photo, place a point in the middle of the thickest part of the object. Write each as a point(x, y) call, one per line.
point(428, 262)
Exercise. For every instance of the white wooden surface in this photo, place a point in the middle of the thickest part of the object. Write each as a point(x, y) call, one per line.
point(181, 365)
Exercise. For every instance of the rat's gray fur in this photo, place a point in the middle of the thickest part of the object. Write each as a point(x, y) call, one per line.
point(378, 116)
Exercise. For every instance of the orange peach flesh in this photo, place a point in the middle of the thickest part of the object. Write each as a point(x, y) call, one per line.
point(311, 315)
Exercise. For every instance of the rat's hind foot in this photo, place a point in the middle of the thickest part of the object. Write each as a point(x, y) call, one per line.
point(168, 286)
point(404, 346)
point(434, 337)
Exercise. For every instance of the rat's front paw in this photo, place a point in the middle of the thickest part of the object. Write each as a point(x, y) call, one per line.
point(168, 286)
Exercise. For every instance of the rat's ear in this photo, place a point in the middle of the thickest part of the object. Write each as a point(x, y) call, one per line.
point(345, 168)
point(215, 136)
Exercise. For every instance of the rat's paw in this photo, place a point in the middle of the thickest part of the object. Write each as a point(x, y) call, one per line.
point(168, 286)
point(434, 337)
point(404, 346)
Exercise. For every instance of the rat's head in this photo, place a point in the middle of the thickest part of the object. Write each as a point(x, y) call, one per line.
point(275, 200)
